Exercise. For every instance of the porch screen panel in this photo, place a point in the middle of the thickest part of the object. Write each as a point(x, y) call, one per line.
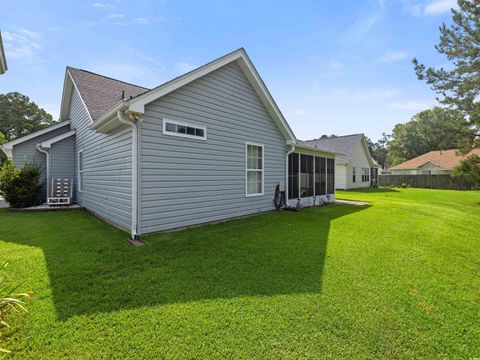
point(330, 176)
point(306, 175)
point(320, 176)
point(293, 176)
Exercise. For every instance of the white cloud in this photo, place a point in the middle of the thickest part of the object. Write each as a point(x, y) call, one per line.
point(392, 56)
point(22, 44)
point(100, 5)
point(366, 21)
point(139, 21)
point(439, 6)
point(135, 67)
point(432, 7)
point(411, 105)
point(298, 111)
point(115, 16)
point(183, 67)
point(315, 109)
point(336, 65)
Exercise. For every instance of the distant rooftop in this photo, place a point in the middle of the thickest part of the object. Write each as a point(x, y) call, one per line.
point(446, 159)
point(344, 145)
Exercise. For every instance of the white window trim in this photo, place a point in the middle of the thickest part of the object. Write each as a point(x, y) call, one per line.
point(80, 172)
point(258, 170)
point(183, 123)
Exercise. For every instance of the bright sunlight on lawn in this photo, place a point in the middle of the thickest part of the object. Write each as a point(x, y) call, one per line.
point(398, 278)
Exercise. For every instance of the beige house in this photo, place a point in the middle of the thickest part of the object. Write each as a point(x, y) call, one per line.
point(439, 162)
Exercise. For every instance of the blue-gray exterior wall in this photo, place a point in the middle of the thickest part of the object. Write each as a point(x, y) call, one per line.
point(62, 159)
point(26, 152)
point(186, 181)
point(107, 177)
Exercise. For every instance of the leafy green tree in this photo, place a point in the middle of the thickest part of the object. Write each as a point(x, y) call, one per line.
point(434, 129)
point(325, 136)
point(19, 116)
point(378, 149)
point(469, 169)
point(460, 86)
point(3, 157)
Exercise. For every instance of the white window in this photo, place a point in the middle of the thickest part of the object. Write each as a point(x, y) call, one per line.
point(365, 174)
point(80, 170)
point(254, 169)
point(178, 128)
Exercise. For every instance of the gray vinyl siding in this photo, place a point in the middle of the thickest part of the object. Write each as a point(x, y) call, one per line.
point(62, 159)
point(107, 179)
point(186, 181)
point(26, 152)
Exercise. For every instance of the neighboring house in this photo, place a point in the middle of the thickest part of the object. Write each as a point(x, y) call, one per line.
point(354, 166)
point(206, 146)
point(3, 59)
point(439, 162)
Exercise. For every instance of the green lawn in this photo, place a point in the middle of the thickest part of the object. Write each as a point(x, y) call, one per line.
point(399, 278)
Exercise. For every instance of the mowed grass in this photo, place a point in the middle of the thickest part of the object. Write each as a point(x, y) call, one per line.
point(399, 278)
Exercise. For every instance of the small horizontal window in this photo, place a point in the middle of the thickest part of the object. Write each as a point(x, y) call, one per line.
point(176, 128)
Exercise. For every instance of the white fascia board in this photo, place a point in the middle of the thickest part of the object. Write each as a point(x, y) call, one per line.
point(109, 120)
point(3, 59)
point(48, 143)
point(12, 143)
point(7, 152)
point(371, 160)
point(138, 104)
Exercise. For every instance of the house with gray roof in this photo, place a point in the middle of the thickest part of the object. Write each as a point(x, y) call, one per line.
point(206, 146)
point(354, 165)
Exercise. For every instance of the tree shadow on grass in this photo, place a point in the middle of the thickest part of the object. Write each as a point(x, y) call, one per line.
point(93, 269)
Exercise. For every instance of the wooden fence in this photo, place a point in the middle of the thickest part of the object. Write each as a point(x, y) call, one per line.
point(425, 181)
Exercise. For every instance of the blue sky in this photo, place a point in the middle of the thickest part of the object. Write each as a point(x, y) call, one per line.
point(337, 67)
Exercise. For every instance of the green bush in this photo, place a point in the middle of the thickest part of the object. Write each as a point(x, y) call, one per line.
point(20, 187)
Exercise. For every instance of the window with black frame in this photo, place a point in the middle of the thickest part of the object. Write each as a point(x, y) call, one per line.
point(320, 176)
point(293, 176)
point(330, 176)
point(306, 175)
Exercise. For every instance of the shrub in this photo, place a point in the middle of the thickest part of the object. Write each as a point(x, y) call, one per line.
point(20, 187)
point(10, 304)
point(469, 168)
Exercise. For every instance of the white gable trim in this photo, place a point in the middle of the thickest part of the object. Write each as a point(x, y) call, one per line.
point(3, 60)
point(371, 161)
point(11, 144)
point(138, 104)
point(68, 86)
point(48, 143)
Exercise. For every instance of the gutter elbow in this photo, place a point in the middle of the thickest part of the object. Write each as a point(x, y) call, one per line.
point(124, 118)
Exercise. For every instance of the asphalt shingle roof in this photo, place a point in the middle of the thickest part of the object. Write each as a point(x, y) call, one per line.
point(446, 159)
point(344, 145)
point(101, 93)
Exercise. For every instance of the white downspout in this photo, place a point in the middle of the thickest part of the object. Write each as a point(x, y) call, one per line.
point(126, 120)
point(286, 174)
point(47, 154)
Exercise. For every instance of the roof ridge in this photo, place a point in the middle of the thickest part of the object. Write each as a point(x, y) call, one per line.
point(107, 77)
point(336, 137)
